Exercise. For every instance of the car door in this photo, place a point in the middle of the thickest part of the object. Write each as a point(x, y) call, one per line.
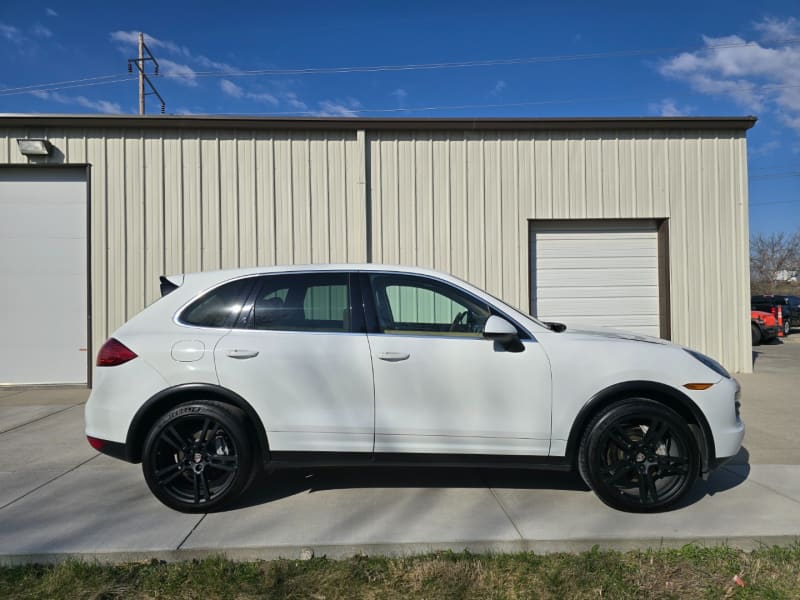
point(302, 360)
point(440, 387)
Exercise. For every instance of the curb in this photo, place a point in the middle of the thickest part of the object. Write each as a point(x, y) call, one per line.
point(335, 551)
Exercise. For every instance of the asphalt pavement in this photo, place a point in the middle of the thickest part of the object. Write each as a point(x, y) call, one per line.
point(59, 498)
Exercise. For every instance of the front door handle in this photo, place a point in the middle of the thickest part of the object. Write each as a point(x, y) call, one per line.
point(393, 356)
point(236, 353)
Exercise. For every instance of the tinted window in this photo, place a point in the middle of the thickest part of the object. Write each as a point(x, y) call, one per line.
point(420, 306)
point(303, 302)
point(219, 307)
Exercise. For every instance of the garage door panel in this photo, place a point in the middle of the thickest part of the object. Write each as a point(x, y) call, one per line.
point(43, 263)
point(598, 307)
point(599, 263)
point(565, 293)
point(597, 275)
point(548, 278)
point(557, 248)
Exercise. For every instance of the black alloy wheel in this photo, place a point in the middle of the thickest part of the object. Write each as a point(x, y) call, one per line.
point(639, 456)
point(197, 457)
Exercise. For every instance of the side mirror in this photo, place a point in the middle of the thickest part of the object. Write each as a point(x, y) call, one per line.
point(498, 329)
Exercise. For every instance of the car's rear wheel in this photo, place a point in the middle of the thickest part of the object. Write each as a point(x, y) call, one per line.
point(756, 334)
point(198, 456)
point(787, 326)
point(639, 455)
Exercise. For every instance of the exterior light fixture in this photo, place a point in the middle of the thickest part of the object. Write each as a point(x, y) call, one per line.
point(34, 147)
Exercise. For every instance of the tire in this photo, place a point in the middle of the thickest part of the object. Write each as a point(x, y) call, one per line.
point(787, 327)
point(756, 334)
point(198, 457)
point(638, 455)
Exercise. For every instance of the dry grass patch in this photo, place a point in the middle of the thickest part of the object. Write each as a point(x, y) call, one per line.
point(691, 572)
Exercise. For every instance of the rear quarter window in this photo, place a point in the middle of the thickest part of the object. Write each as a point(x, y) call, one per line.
point(218, 307)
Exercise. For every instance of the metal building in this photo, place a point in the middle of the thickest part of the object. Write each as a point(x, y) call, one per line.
point(638, 224)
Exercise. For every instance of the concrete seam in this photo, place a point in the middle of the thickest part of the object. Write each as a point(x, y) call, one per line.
point(49, 481)
point(52, 414)
point(763, 485)
point(191, 531)
point(505, 512)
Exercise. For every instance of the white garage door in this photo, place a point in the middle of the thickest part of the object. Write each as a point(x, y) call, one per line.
point(596, 274)
point(43, 309)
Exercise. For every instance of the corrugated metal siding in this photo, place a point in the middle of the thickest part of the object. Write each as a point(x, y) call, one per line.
point(463, 205)
point(172, 201)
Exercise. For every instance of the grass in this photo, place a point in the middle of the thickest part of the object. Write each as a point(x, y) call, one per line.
point(691, 572)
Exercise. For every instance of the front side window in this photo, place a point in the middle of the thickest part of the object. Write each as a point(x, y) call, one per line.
point(411, 305)
point(302, 302)
point(219, 307)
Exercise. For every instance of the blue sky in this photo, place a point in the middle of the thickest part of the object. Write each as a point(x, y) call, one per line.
point(546, 59)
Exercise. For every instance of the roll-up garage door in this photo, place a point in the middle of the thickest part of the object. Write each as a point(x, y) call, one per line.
point(43, 254)
point(596, 274)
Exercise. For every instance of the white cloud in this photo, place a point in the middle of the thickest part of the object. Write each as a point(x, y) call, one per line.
point(237, 91)
point(338, 108)
point(764, 148)
point(263, 97)
point(40, 30)
point(11, 33)
point(295, 102)
point(775, 30)
point(131, 38)
point(179, 72)
point(231, 89)
point(498, 88)
point(101, 106)
point(755, 76)
point(669, 108)
point(400, 94)
point(50, 12)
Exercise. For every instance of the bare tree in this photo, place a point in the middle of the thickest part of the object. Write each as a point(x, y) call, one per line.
point(771, 254)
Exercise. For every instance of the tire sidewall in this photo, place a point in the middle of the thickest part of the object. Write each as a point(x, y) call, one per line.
point(229, 418)
point(590, 447)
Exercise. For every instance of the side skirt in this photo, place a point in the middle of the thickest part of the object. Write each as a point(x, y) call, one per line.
point(287, 460)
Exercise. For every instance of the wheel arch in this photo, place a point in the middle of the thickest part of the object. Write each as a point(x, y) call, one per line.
point(666, 395)
point(171, 397)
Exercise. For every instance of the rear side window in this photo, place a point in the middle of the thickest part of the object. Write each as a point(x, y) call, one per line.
point(303, 302)
point(218, 308)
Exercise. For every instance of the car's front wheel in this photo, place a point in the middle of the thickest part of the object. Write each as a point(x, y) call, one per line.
point(198, 457)
point(787, 326)
point(639, 455)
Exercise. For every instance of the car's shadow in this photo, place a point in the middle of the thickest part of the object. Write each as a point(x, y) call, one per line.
point(280, 484)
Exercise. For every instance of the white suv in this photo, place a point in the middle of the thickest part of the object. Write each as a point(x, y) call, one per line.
point(235, 373)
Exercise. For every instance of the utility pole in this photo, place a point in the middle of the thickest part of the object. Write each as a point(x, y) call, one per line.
point(143, 78)
point(141, 73)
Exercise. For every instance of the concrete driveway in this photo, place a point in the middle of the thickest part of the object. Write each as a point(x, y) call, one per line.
point(59, 498)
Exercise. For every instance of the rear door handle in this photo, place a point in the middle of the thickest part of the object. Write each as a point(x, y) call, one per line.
point(236, 353)
point(393, 356)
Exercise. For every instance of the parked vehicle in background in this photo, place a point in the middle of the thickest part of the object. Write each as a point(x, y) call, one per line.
point(790, 306)
point(234, 373)
point(764, 326)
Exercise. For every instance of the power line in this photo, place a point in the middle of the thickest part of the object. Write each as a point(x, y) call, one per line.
point(776, 175)
point(476, 63)
point(120, 79)
point(420, 66)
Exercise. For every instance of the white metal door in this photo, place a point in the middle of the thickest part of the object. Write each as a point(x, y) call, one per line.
point(596, 275)
point(43, 307)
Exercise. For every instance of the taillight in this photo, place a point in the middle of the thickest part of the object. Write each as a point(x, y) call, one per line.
point(774, 310)
point(114, 353)
point(96, 443)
